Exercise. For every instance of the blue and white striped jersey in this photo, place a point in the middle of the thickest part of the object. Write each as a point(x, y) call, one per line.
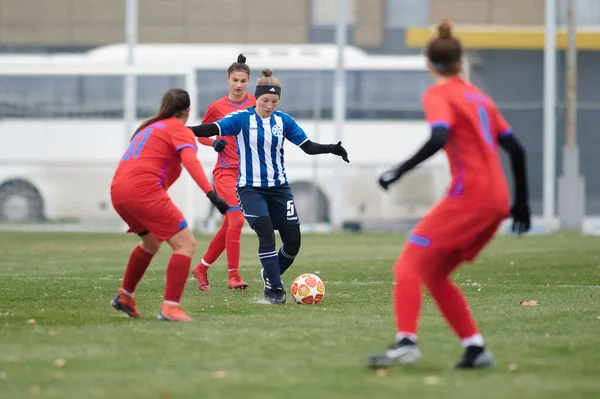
point(260, 145)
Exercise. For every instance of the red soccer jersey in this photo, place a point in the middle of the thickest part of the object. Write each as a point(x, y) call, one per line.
point(228, 158)
point(475, 123)
point(152, 159)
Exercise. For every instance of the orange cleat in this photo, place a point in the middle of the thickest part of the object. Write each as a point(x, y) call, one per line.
point(173, 313)
point(125, 303)
point(201, 274)
point(235, 281)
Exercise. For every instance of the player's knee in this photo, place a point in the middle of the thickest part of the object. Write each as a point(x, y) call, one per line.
point(235, 220)
point(150, 244)
point(292, 240)
point(265, 232)
point(183, 243)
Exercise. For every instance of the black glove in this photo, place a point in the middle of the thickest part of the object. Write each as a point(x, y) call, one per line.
point(218, 202)
point(521, 217)
point(219, 145)
point(389, 177)
point(337, 149)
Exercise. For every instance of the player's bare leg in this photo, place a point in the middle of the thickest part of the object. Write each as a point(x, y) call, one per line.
point(184, 245)
point(139, 260)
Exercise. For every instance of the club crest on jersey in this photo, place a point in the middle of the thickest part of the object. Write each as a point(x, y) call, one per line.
point(277, 131)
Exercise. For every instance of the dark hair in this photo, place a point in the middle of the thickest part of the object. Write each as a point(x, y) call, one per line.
point(174, 103)
point(240, 65)
point(445, 51)
point(268, 79)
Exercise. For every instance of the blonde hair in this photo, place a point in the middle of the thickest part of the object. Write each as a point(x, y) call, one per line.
point(268, 79)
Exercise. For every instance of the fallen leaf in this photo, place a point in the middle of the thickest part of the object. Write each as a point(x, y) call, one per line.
point(530, 303)
point(512, 366)
point(53, 333)
point(381, 373)
point(56, 375)
point(166, 395)
point(31, 321)
point(35, 390)
point(220, 374)
point(60, 362)
point(432, 380)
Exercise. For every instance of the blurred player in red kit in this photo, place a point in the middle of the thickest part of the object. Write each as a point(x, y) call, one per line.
point(225, 179)
point(151, 164)
point(466, 123)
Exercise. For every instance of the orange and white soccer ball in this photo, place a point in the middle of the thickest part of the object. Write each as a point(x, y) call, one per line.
point(308, 289)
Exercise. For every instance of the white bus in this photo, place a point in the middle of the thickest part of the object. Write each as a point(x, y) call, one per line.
point(62, 126)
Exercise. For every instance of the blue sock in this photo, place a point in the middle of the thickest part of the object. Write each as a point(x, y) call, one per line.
point(268, 258)
point(285, 260)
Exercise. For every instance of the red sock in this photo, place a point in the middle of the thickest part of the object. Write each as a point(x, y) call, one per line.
point(177, 274)
point(232, 244)
point(217, 244)
point(408, 298)
point(139, 260)
point(449, 298)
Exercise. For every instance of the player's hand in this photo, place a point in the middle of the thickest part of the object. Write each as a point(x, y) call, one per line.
point(521, 218)
point(389, 177)
point(340, 151)
point(218, 202)
point(219, 145)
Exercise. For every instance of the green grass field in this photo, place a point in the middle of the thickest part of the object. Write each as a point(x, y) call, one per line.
point(59, 338)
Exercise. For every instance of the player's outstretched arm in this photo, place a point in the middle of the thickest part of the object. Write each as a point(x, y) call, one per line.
point(437, 141)
point(195, 169)
point(205, 130)
point(520, 209)
point(312, 148)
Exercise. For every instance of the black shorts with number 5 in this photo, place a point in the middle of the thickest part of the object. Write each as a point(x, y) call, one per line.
point(276, 202)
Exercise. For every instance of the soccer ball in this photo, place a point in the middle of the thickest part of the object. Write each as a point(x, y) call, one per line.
point(308, 289)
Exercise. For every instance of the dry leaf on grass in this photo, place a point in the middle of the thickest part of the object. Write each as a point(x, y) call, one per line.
point(53, 333)
point(220, 374)
point(35, 390)
point(31, 321)
point(57, 375)
point(432, 380)
point(60, 362)
point(512, 366)
point(381, 373)
point(529, 303)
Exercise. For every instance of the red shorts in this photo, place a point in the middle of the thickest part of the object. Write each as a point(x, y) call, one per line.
point(451, 228)
point(153, 213)
point(225, 181)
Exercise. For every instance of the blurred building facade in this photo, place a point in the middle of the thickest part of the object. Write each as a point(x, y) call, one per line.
point(504, 40)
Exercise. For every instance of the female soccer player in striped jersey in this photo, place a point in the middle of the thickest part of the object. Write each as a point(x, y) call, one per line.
point(225, 179)
point(138, 191)
point(264, 193)
point(466, 123)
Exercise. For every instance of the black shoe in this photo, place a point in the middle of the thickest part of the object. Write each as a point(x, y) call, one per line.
point(403, 352)
point(476, 357)
point(266, 282)
point(275, 296)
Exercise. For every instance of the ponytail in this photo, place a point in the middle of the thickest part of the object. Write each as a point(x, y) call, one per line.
point(174, 102)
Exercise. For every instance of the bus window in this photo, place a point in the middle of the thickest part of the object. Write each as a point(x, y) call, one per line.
point(150, 90)
point(37, 96)
point(386, 94)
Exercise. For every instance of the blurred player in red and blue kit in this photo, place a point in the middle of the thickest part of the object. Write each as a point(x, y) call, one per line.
point(466, 123)
point(225, 179)
point(138, 191)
